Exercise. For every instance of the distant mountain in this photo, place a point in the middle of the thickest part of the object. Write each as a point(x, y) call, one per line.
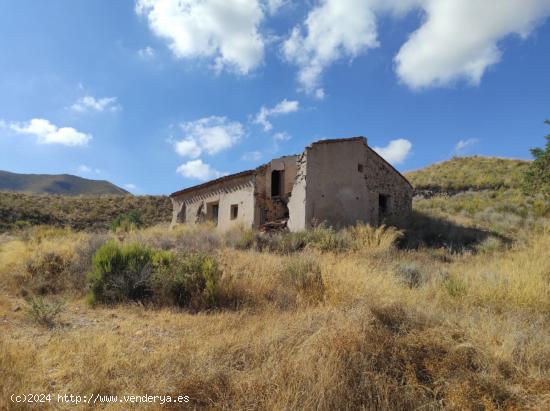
point(470, 173)
point(65, 184)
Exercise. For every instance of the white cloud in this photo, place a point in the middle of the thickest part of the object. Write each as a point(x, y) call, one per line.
point(226, 31)
point(83, 168)
point(282, 136)
point(459, 39)
point(284, 107)
point(252, 156)
point(188, 148)
point(396, 151)
point(146, 53)
point(130, 186)
point(334, 29)
point(464, 145)
point(196, 169)
point(211, 135)
point(89, 103)
point(48, 133)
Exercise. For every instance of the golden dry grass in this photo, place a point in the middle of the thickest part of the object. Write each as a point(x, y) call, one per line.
point(472, 333)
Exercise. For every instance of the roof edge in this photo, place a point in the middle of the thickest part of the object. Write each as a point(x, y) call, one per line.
point(392, 167)
point(212, 182)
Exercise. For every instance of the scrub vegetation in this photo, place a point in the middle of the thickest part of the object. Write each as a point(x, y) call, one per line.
point(449, 312)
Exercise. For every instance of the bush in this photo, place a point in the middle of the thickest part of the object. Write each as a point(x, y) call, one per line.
point(47, 273)
point(120, 273)
point(189, 281)
point(127, 222)
point(139, 273)
point(43, 312)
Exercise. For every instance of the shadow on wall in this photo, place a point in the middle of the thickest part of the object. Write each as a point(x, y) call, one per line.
point(424, 230)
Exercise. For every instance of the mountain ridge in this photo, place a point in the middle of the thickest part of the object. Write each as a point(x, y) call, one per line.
point(63, 184)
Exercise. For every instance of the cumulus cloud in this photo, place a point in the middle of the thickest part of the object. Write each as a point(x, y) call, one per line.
point(225, 31)
point(210, 134)
point(333, 30)
point(188, 148)
point(459, 39)
point(396, 151)
point(48, 133)
point(197, 170)
point(284, 107)
point(89, 103)
point(464, 145)
point(252, 156)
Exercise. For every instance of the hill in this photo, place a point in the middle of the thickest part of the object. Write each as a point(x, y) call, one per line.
point(19, 210)
point(65, 184)
point(465, 173)
point(481, 192)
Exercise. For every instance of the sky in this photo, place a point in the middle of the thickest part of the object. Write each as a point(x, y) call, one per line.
point(159, 95)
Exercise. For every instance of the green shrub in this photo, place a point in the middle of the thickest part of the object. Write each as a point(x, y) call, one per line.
point(121, 273)
point(127, 222)
point(189, 281)
point(43, 312)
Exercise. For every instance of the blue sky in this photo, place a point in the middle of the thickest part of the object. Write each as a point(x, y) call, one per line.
point(157, 95)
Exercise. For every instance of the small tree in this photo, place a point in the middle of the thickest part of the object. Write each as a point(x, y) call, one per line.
point(537, 177)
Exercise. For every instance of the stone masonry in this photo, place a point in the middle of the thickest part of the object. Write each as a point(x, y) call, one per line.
point(335, 182)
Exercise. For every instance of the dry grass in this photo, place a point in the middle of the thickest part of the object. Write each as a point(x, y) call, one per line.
point(307, 330)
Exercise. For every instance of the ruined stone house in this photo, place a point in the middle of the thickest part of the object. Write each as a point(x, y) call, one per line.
point(336, 182)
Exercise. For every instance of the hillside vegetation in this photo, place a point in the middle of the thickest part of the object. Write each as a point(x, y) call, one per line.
point(65, 184)
point(450, 312)
point(78, 212)
point(480, 192)
point(465, 173)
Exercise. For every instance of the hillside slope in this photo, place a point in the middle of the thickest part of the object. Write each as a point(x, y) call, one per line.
point(482, 192)
point(464, 173)
point(79, 212)
point(65, 184)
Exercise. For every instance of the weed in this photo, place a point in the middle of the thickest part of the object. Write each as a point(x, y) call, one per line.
point(44, 312)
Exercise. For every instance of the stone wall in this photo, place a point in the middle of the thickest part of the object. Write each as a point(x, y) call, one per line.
point(196, 206)
point(271, 209)
point(382, 179)
point(336, 182)
point(340, 182)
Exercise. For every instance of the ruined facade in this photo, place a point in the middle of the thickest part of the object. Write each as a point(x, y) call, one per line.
point(335, 182)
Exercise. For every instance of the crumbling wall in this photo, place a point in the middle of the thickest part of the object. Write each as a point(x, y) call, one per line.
point(297, 202)
point(274, 208)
